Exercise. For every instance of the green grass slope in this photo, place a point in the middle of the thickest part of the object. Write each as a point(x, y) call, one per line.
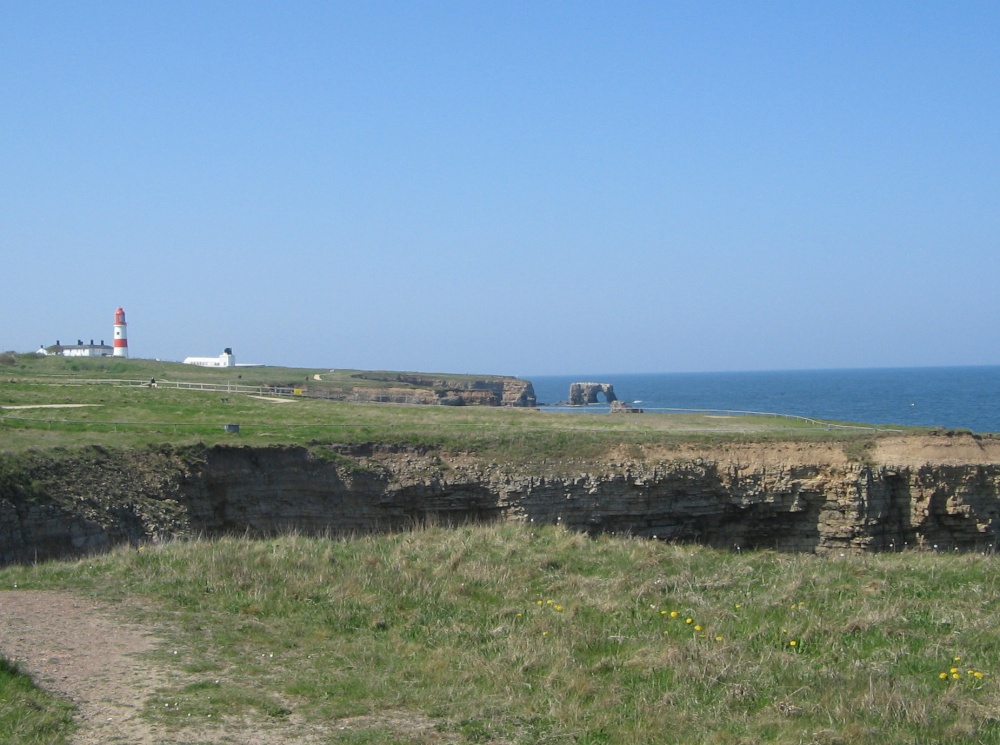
point(38, 366)
point(509, 634)
point(48, 402)
point(28, 714)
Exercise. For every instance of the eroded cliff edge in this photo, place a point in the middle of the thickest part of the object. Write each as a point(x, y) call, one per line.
point(930, 490)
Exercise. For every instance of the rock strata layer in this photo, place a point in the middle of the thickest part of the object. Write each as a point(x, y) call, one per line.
point(932, 491)
point(419, 389)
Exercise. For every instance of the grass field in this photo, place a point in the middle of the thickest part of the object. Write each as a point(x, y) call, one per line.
point(507, 634)
point(504, 634)
point(109, 412)
point(37, 366)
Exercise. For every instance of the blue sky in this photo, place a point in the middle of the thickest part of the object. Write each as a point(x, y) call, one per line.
point(508, 187)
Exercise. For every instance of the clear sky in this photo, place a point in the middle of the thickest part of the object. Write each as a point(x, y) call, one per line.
point(505, 187)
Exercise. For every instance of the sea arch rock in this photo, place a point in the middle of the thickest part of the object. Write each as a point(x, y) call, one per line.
point(586, 393)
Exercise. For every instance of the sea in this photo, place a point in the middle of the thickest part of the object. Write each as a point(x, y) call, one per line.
point(950, 397)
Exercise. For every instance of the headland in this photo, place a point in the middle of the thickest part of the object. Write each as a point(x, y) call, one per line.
point(129, 463)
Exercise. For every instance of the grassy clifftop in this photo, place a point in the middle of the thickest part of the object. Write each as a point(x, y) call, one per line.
point(503, 633)
point(46, 402)
point(511, 634)
point(56, 367)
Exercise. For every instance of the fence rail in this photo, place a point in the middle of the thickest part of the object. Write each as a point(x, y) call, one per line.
point(256, 390)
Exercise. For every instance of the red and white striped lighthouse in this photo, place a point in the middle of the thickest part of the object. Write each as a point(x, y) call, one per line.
point(121, 337)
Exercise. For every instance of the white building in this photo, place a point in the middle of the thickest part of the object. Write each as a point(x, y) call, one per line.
point(120, 348)
point(226, 359)
point(78, 350)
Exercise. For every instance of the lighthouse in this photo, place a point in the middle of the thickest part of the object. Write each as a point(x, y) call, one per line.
point(121, 337)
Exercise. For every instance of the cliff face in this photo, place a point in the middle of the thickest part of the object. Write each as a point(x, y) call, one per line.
point(928, 491)
point(421, 389)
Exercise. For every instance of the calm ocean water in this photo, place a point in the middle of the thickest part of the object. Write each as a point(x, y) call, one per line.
point(953, 397)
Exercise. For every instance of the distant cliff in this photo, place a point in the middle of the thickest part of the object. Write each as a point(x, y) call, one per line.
point(411, 388)
point(928, 491)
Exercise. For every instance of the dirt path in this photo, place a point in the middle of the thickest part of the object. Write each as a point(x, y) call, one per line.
point(75, 647)
point(71, 646)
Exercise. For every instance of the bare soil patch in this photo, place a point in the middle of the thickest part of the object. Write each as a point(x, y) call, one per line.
point(69, 645)
point(77, 648)
point(941, 449)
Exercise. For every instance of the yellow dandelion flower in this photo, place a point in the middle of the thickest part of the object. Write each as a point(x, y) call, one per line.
point(953, 670)
point(957, 659)
point(663, 613)
point(697, 628)
point(793, 643)
point(548, 602)
point(538, 602)
point(688, 620)
point(738, 606)
point(718, 638)
point(557, 607)
point(969, 672)
point(956, 676)
point(666, 633)
point(943, 676)
point(978, 675)
point(545, 633)
point(674, 614)
point(520, 615)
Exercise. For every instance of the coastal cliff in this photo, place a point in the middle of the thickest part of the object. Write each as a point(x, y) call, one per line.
point(412, 388)
point(932, 491)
